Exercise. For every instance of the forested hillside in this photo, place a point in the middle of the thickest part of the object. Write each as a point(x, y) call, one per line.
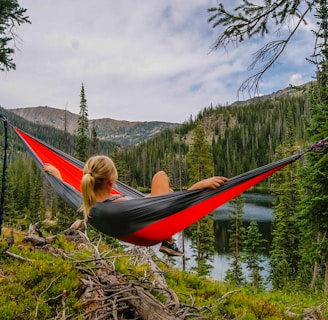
point(240, 138)
point(60, 139)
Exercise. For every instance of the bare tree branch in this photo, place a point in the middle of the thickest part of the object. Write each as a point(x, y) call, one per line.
point(251, 19)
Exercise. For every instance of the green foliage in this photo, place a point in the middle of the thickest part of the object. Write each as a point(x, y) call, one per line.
point(34, 289)
point(314, 201)
point(252, 246)
point(202, 232)
point(250, 19)
point(236, 240)
point(30, 199)
point(228, 302)
point(82, 138)
point(241, 138)
point(12, 15)
point(294, 230)
point(286, 234)
point(199, 158)
point(202, 244)
point(94, 142)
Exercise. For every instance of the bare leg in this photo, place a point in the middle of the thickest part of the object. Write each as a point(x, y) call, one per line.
point(161, 185)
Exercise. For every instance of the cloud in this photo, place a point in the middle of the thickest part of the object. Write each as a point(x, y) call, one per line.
point(145, 60)
point(296, 79)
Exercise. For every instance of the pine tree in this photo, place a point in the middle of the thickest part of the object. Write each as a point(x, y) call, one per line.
point(82, 139)
point(11, 213)
point(35, 202)
point(314, 204)
point(94, 142)
point(286, 236)
point(11, 16)
point(247, 21)
point(253, 246)
point(236, 240)
point(64, 216)
point(199, 158)
point(201, 167)
point(121, 166)
point(251, 19)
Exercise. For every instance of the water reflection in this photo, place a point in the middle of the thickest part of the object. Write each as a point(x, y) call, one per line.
point(258, 208)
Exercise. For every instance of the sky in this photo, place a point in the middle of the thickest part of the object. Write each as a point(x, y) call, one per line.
point(139, 60)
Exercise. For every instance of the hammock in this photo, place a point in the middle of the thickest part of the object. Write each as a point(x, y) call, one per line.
point(142, 220)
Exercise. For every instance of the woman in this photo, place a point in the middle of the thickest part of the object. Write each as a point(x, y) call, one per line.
point(99, 176)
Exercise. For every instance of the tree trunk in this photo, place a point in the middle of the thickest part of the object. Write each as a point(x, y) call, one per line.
point(326, 279)
point(315, 275)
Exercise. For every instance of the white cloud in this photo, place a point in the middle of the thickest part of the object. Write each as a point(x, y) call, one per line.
point(296, 79)
point(145, 60)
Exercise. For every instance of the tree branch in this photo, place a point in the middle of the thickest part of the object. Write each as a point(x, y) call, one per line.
point(251, 19)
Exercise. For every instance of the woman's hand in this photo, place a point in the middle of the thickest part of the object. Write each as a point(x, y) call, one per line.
point(47, 167)
point(210, 183)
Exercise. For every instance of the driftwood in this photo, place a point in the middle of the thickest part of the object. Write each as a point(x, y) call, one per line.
point(107, 294)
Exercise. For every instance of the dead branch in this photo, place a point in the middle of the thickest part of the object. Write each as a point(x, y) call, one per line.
point(227, 294)
point(35, 240)
point(16, 256)
point(313, 313)
point(145, 256)
point(107, 294)
point(39, 297)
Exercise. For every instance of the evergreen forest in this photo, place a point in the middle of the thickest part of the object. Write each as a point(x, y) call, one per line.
point(239, 138)
point(233, 139)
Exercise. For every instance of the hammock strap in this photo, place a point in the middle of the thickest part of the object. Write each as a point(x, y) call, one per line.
point(4, 168)
point(318, 147)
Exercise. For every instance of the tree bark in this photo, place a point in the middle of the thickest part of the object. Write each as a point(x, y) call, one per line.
point(326, 280)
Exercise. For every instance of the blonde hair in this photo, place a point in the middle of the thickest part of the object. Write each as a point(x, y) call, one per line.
point(97, 169)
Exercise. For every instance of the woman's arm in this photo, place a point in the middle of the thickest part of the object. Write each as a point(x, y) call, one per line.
point(210, 183)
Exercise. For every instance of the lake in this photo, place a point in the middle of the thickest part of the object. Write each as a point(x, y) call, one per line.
point(258, 208)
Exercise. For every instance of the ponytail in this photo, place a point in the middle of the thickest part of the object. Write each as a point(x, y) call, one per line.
point(96, 171)
point(88, 194)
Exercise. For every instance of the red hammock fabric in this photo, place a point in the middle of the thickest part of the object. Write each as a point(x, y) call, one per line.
point(70, 172)
point(144, 220)
point(172, 224)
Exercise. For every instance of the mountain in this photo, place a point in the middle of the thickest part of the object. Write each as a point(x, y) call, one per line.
point(126, 132)
point(122, 132)
point(289, 92)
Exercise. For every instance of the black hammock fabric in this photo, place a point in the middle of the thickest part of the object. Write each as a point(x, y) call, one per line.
point(142, 220)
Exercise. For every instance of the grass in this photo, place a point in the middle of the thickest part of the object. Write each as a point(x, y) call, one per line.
point(36, 288)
